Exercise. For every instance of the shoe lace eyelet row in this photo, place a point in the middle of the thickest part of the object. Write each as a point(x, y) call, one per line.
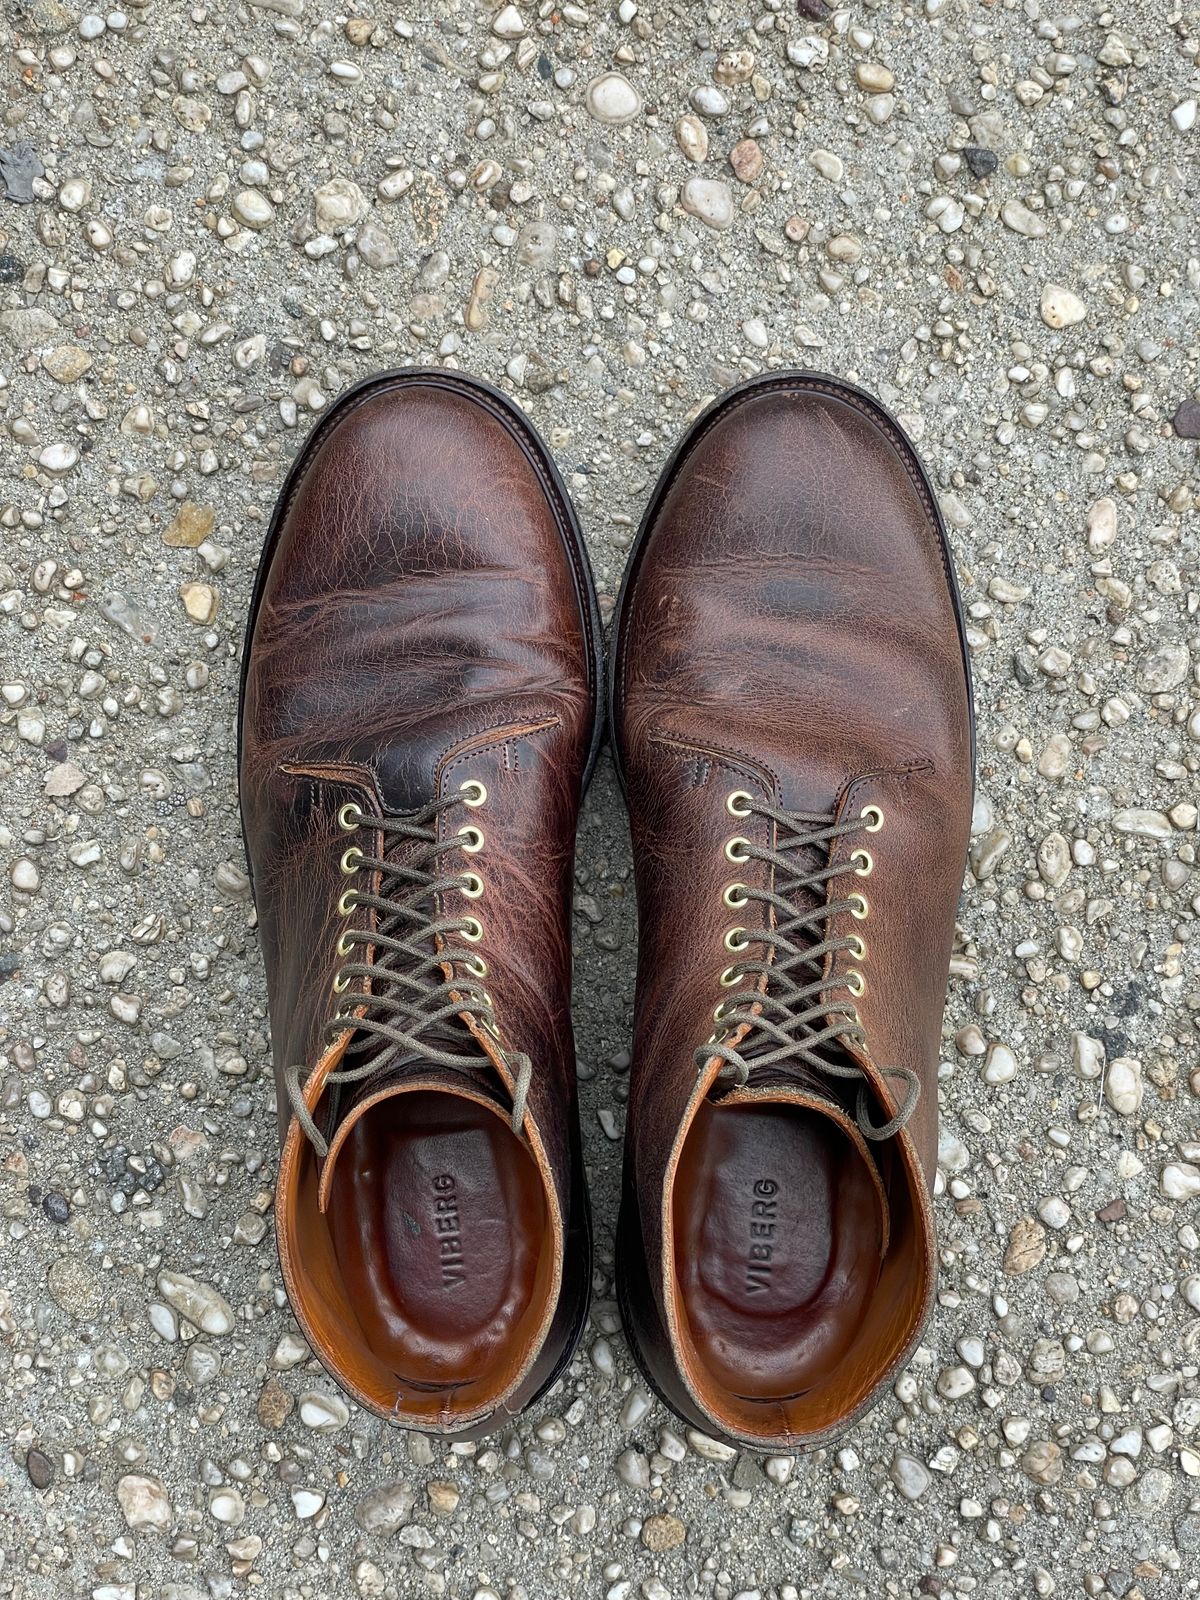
point(793, 1012)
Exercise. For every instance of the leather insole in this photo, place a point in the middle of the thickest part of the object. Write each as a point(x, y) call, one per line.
point(778, 1237)
point(438, 1220)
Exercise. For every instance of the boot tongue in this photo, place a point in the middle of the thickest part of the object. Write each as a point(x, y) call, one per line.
point(413, 1074)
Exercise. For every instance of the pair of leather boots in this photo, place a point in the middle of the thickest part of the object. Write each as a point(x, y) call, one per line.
point(422, 705)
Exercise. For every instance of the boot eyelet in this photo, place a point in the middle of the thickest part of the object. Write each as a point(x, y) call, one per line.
point(344, 945)
point(351, 859)
point(730, 976)
point(472, 929)
point(347, 903)
point(732, 853)
point(732, 940)
point(739, 803)
point(867, 860)
point(856, 983)
point(858, 947)
point(872, 818)
point(859, 907)
point(473, 792)
point(472, 839)
point(340, 985)
point(719, 1011)
point(491, 1025)
point(349, 817)
point(472, 885)
point(476, 966)
point(735, 896)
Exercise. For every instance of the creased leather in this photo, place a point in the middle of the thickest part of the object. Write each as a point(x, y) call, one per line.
point(788, 627)
point(422, 618)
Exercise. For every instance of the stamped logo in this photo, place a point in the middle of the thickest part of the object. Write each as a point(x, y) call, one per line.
point(763, 1223)
point(448, 1228)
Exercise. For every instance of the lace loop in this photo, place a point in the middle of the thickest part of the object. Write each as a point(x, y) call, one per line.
point(406, 1004)
point(795, 1011)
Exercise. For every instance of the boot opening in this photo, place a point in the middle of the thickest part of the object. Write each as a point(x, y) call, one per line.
point(428, 1280)
point(798, 1272)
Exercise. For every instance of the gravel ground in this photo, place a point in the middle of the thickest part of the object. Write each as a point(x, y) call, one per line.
point(983, 211)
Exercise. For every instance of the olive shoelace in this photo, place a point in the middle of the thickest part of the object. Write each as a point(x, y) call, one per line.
point(409, 1005)
point(796, 1011)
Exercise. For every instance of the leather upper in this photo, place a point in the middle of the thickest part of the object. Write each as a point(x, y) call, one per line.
point(422, 620)
point(789, 629)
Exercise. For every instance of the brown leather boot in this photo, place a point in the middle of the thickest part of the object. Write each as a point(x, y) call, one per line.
point(792, 717)
point(421, 709)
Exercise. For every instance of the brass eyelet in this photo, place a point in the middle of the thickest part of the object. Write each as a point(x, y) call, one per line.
point(715, 1038)
point(867, 859)
point(472, 929)
point(472, 839)
point(730, 976)
point(858, 947)
point(735, 896)
point(719, 1011)
point(340, 985)
point(472, 885)
point(739, 810)
point(876, 814)
point(859, 906)
point(732, 854)
point(351, 859)
point(492, 1026)
point(347, 903)
point(732, 942)
point(349, 817)
point(473, 792)
point(344, 945)
point(856, 983)
point(476, 966)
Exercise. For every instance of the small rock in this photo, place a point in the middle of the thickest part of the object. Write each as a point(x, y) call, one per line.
point(1060, 307)
point(692, 137)
point(981, 163)
point(376, 246)
point(1123, 1085)
point(58, 459)
point(612, 99)
point(911, 1477)
point(709, 200)
point(663, 1532)
point(443, 1498)
point(198, 1302)
point(386, 1509)
point(338, 205)
point(191, 525)
point(508, 23)
point(144, 1503)
point(1043, 1462)
point(252, 210)
point(1186, 420)
point(199, 601)
point(1180, 1180)
point(874, 77)
point(1022, 220)
point(226, 1505)
point(323, 1413)
point(1026, 1246)
point(746, 159)
point(66, 363)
